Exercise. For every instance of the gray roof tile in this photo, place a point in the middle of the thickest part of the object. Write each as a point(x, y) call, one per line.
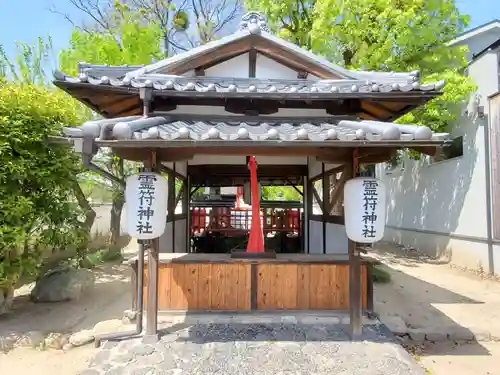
point(279, 130)
point(254, 86)
point(252, 23)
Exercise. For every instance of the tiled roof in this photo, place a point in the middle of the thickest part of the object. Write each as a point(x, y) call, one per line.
point(252, 24)
point(254, 86)
point(233, 129)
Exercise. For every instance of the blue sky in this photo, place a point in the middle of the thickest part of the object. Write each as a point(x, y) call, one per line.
point(25, 20)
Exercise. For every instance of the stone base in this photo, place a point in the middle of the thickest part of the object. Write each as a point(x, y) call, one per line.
point(150, 339)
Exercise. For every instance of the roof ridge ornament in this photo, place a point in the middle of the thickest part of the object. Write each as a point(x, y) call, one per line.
point(254, 22)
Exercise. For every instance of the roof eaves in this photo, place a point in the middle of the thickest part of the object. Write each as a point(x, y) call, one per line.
point(313, 58)
point(337, 69)
point(492, 47)
point(164, 64)
point(118, 71)
point(251, 86)
point(232, 129)
point(264, 33)
point(475, 31)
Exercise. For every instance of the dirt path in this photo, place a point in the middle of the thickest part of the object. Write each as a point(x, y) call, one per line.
point(109, 298)
point(24, 361)
point(428, 297)
point(446, 305)
point(462, 359)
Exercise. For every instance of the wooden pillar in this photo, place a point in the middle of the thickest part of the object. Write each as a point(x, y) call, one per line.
point(174, 206)
point(355, 328)
point(304, 225)
point(309, 203)
point(324, 204)
point(152, 306)
point(186, 209)
point(171, 208)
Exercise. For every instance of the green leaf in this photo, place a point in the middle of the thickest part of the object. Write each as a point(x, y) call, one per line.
point(383, 35)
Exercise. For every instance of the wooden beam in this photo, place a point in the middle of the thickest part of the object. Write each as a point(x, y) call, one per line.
point(179, 194)
point(367, 155)
point(337, 191)
point(295, 188)
point(302, 74)
point(292, 60)
point(265, 171)
point(240, 181)
point(252, 63)
point(194, 190)
point(131, 107)
point(199, 71)
point(316, 195)
point(328, 172)
point(171, 194)
point(431, 151)
point(324, 189)
point(345, 107)
point(381, 107)
point(253, 107)
point(213, 57)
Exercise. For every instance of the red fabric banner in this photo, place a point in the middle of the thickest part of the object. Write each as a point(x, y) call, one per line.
point(256, 238)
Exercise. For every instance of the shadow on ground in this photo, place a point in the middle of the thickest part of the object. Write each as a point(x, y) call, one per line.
point(407, 255)
point(107, 300)
point(266, 349)
point(271, 332)
point(428, 309)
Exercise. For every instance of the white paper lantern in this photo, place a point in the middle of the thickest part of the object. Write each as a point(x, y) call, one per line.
point(364, 209)
point(146, 197)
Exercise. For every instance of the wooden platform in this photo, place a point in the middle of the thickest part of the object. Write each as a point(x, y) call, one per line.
point(289, 282)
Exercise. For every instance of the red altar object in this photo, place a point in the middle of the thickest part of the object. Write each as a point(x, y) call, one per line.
point(240, 203)
point(256, 238)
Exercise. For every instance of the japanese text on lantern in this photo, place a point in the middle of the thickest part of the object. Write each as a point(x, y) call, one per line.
point(146, 198)
point(370, 202)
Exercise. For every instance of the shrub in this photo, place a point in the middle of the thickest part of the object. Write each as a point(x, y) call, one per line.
point(38, 211)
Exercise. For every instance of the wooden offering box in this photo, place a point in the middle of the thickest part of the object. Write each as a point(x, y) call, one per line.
point(214, 282)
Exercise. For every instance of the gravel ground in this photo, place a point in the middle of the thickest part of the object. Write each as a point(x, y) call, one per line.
point(256, 349)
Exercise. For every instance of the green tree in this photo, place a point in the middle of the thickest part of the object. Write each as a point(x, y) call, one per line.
point(182, 24)
point(45, 216)
point(30, 62)
point(385, 35)
point(128, 42)
point(39, 212)
point(276, 193)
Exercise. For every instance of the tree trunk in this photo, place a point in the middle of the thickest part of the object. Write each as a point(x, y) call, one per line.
point(85, 205)
point(115, 225)
point(6, 299)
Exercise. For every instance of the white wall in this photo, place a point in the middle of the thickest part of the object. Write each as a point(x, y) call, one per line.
point(336, 238)
point(314, 167)
point(266, 68)
point(484, 72)
point(236, 67)
point(180, 167)
point(269, 69)
point(180, 237)
point(479, 42)
point(441, 208)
